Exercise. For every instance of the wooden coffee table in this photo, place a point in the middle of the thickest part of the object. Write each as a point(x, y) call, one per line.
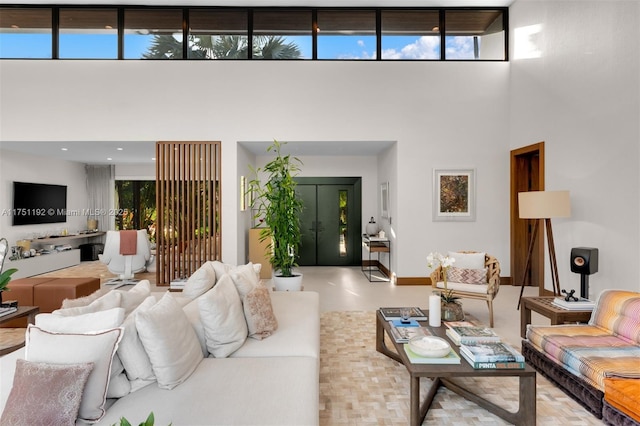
point(12, 339)
point(544, 306)
point(444, 374)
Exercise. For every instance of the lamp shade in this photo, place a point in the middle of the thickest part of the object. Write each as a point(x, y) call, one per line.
point(544, 204)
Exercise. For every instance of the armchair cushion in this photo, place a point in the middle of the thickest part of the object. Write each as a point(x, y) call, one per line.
point(467, 276)
point(467, 288)
point(468, 260)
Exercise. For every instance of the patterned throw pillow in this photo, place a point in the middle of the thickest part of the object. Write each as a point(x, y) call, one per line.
point(258, 311)
point(45, 393)
point(467, 276)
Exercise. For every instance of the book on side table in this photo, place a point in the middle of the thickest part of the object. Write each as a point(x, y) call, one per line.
point(8, 310)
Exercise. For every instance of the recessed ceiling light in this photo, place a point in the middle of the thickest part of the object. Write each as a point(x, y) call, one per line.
point(109, 158)
point(120, 149)
point(64, 149)
point(153, 158)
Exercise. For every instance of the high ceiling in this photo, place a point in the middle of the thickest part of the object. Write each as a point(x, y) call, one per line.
point(143, 152)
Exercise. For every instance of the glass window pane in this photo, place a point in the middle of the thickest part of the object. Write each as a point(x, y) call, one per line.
point(153, 34)
point(346, 34)
point(410, 34)
point(88, 33)
point(218, 34)
point(25, 33)
point(282, 34)
point(343, 210)
point(474, 34)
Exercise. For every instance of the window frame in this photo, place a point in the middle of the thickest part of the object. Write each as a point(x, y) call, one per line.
point(55, 27)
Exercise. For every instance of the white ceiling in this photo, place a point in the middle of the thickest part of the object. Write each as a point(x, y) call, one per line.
point(88, 152)
point(142, 152)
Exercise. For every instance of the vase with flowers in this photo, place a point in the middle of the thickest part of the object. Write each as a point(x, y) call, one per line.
point(451, 308)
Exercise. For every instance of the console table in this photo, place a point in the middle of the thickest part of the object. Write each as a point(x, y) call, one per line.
point(36, 265)
point(375, 245)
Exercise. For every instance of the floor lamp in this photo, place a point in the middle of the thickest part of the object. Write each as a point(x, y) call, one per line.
point(543, 205)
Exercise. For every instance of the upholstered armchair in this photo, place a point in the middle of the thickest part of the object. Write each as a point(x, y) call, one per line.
point(126, 258)
point(472, 287)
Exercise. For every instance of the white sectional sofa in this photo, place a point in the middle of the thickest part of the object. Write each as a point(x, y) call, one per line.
point(269, 381)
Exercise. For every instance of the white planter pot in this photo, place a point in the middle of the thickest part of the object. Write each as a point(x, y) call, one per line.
point(293, 283)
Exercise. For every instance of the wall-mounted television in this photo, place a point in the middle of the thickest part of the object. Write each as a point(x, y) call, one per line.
point(35, 203)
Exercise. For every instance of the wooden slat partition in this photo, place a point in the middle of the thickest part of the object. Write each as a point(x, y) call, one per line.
point(188, 208)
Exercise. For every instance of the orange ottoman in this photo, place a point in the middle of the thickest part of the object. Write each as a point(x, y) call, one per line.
point(48, 296)
point(22, 290)
point(624, 396)
point(47, 293)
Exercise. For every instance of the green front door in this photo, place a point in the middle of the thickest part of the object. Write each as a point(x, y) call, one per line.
point(331, 221)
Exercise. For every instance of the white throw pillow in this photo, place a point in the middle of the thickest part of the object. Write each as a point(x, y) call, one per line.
point(245, 279)
point(85, 300)
point(170, 342)
point(225, 268)
point(225, 327)
point(83, 323)
point(135, 360)
point(134, 296)
point(89, 323)
point(109, 301)
point(200, 281)
point(119, 385)
point(59, 348)
point(468, 260)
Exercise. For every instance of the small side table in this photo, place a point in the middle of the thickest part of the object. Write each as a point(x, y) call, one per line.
point(12, 339)
point(545, 307)
point(374, 245)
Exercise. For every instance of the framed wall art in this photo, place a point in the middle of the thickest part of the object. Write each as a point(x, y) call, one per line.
point(454, 195)
point(384, 200)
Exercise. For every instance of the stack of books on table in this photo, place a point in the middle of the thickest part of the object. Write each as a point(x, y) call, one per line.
point(491, 355)
point(464, 334)
point(581, 304)
point(7, 310)
point(394, 314)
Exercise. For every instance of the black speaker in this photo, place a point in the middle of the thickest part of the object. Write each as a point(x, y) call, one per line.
point(584, 260)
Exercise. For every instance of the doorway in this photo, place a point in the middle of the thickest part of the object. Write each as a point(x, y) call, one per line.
point(527, 174)
point(331, 221)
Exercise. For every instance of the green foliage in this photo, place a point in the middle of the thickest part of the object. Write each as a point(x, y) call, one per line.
point(278, 205)
point(5, 277)
point(149, 422)
point(222, 47)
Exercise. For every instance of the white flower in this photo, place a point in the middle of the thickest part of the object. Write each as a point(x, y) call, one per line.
point(438, 259)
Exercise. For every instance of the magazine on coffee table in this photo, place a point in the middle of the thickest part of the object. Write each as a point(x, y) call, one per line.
point(403, 334)
point(394, 313)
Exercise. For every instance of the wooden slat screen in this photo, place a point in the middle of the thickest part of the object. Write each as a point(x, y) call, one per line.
point(188, 208)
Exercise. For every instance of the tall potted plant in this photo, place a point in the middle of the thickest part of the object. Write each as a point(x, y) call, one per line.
point(278, 207)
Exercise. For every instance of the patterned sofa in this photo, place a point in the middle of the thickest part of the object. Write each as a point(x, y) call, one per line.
point(597, 364)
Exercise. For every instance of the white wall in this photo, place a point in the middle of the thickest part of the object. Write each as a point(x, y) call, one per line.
point(27, 168)
point(575, 84)
point(440, 114)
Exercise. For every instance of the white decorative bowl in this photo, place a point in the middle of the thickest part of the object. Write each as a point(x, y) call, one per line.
point(429, 346)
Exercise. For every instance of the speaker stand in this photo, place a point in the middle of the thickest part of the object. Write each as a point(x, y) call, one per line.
point(584, 286)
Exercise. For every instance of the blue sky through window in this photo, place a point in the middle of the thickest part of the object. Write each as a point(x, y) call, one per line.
point(329, 47)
